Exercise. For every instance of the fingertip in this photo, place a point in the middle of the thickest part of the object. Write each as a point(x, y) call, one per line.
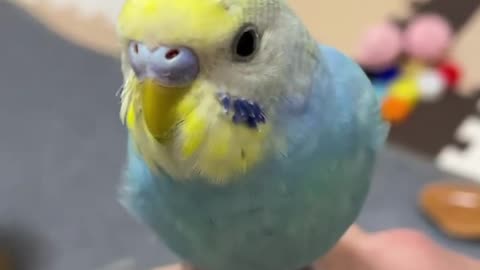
point(171, 267)
point(355, 234)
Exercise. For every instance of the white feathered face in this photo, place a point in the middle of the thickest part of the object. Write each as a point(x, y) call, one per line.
point(270, 54)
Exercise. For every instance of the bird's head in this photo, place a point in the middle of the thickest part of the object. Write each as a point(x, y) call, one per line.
point(238, 57)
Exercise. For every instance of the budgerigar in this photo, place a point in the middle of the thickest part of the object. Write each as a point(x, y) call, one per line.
point(251, 146)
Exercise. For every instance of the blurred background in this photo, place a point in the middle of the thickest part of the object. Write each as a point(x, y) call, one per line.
point(62, 145)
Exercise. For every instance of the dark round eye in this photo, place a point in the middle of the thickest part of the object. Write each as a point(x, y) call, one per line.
point(246, 43)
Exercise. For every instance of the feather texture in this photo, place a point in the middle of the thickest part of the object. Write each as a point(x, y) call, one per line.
point(227, 196)
point(190, 134)
point(289, 210)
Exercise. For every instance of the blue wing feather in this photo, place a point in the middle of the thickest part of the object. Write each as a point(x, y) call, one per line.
point(351, 80)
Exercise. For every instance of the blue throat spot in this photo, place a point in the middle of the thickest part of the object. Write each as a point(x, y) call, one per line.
point(245, 112)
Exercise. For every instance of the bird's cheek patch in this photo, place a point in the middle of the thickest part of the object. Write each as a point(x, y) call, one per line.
point(243, 111)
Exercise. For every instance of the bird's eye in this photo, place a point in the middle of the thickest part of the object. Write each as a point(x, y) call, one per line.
point(135, 47)
point(246, 43)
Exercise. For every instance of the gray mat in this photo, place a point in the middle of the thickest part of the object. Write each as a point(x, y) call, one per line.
point(62, 147)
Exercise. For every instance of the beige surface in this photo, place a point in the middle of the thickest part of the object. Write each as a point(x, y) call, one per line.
point(337, 23)
point(467, 53)
point(90, 23)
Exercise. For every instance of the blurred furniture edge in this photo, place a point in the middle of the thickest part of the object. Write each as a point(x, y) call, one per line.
point(95, 29)
point(5, 260)
point(94, 32)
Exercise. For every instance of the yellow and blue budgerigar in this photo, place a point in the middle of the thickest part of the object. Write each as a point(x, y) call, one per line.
point(250, 145)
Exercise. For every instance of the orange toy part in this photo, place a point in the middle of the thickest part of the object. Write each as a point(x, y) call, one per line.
point(395, 110)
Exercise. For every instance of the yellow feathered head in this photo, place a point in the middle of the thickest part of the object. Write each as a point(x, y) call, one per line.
point(198, 68)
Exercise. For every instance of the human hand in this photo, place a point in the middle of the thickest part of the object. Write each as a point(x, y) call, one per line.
point(398, 249)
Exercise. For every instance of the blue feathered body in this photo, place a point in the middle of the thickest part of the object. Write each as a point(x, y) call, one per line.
point(287, 211)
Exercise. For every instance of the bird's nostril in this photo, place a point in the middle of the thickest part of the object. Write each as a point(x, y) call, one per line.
point(172, 54)
point(168, 66)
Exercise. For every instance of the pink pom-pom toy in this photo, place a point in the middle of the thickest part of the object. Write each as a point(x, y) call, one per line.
point(428, 38)
point(380, 47)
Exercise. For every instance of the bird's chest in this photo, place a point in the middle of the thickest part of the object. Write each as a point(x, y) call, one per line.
point(283, 212)
point(256, 203)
